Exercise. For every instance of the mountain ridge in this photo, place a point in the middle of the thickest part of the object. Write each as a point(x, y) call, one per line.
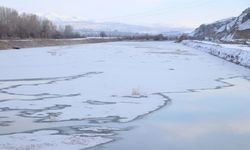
point(84, 25)
point(226, 30)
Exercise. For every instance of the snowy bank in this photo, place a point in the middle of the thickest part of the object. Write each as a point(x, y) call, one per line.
point(236, 53)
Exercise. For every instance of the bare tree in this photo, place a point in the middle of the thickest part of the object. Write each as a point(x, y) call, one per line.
point(68, 31)
point(103, 34)
point(15, 25)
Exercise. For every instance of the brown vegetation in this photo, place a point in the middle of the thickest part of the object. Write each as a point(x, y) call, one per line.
point(18, 44)
point(23, 26)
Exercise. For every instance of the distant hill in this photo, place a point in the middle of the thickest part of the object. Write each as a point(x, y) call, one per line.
point(227, 30)
point(84, 26)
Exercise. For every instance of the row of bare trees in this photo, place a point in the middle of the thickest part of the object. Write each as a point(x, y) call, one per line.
point(15, 25)
point(150, 37)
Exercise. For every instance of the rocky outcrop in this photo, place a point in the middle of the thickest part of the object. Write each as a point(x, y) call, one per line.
point(227, 30)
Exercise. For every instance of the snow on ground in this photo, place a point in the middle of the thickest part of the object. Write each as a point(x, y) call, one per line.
point(116, 83)
point(239, 54)
point(245, 25)
point(233, 46)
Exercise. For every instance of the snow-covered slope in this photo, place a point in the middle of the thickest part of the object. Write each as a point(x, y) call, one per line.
point(237, 28)
point(236, 53)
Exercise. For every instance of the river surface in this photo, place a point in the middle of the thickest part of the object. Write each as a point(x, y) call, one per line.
point(122, 95)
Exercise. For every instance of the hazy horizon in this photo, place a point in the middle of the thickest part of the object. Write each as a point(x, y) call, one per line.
point(172, 13)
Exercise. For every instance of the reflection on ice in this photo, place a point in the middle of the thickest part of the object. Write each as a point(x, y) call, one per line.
point(217, 119)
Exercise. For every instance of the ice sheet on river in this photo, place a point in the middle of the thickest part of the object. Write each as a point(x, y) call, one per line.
point(97, 83)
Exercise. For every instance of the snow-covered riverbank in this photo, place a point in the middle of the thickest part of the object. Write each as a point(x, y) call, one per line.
point(239, 54)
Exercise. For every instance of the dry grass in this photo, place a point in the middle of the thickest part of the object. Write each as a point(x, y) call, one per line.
point(18, 44)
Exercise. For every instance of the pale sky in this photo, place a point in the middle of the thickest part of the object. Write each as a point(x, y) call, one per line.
point(176, 13)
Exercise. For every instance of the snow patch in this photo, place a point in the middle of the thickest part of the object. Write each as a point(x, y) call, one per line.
point(245, 25)
point(234, 53)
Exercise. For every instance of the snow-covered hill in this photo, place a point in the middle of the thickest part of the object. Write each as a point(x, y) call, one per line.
point(84, 26)
point(231, 29)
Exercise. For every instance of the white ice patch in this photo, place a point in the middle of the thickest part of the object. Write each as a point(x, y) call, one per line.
point(49, 140)
point(126, 108)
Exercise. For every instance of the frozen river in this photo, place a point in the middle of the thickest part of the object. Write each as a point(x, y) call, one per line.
point(122, 95)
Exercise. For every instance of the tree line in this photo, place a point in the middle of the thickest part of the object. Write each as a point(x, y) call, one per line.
point(14, 25)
